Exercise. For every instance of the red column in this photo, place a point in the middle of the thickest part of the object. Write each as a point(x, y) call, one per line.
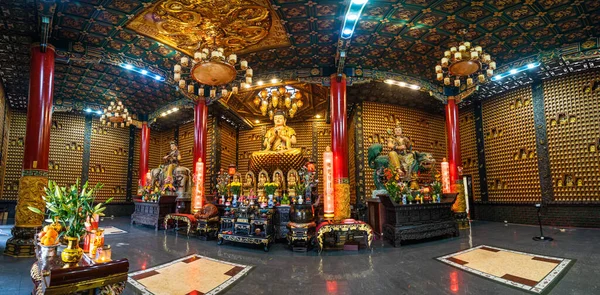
point(36, 151)
point(144, 153)
point(339, 147)
point(200, 132)
point(453, 140)
point(39, 109)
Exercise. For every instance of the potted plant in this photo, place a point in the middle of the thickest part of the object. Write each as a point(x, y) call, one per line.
point(71, 208)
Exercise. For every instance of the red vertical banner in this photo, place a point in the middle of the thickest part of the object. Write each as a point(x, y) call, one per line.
point(144, 154)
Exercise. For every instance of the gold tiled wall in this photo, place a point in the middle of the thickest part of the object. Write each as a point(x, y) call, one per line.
point(209, 154)
point(249, 141)
point(4, 127)
point(66, 148)
point(228, 144)
point(351, 160)
point(510, 151)
point(136, 162)
point(468, 148)
point(572, 107)
point(186, 145)
point(14, 155)
point(425, 130)
point(108, 161)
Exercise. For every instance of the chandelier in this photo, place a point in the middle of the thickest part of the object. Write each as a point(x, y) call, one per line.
point(285, 98)
point(210, 72)
point(464, 66)
point(115, 115)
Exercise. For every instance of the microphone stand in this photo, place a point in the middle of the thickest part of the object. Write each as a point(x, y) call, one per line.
point(541, 237)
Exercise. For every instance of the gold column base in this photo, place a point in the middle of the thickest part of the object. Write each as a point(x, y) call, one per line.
point(341, 201)
point(460, 206)
point(27, 223)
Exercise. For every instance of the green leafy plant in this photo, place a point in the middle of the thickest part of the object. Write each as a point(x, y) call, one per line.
point(270, 188)
point(71, 207)
point(235, 188)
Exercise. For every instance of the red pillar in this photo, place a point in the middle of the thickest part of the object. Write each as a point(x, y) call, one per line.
point(36, 152)
point(144, 153)
point(453, 140)
point(339, 147)
point(200, 131)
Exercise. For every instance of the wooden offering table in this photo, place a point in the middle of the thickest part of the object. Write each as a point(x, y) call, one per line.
point(153, 213)
point(53, 276)
point(343, 230)
point(418, 221)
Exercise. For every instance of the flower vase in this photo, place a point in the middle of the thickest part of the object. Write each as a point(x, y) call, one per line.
point(234, 203)
point(270, 202)
point(72, 253)
point(222, 200)
point(300, 200)
point(404, 199)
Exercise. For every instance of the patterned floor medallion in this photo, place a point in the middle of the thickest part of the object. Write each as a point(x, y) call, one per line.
point(525, 271)
point(192, 274)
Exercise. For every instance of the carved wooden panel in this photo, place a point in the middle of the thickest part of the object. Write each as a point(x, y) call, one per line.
point(468, 148)
point(572, 107)
point(426, 130)
point(511, 160)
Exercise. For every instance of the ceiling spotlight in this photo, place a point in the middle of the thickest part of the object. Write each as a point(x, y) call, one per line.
point(88, 110)
point(128, 66)
point(175, 109)
point(530, 66)
point(347, 32)
point(402, 84)
point(163, 114)
point(99, 112)
point(256, 121)
point(144, 72)
point(275, 80)
point(260, 83)
point(352, 17)
point(513, 71)
point(157, 77)
point(388, 81)
point(497, 77)
point(415, 87)
point(317, 116)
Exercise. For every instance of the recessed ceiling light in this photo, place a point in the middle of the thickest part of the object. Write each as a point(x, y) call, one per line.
point(513, 71)
point(256, 121)
point(317, 116)
point(352, 17)
point(144, 72)
point(128, 66)
point(260, 83)
point(347, 32)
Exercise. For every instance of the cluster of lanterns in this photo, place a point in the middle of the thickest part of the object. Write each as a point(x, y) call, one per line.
point(115, 115)
point(284, 98)
point(465, 64)
point(211, 67)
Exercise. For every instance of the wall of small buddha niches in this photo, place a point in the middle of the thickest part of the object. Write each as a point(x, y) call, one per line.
point(109, 154)
point(468, 148)
point(572, 108)
point(510, 151)
point(66, 148)
point(352, 158)
point(228, 144)
point(4, 125)
point(426, 131)
point(14, 155)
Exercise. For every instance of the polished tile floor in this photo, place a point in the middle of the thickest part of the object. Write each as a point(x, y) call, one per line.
point(410, 269)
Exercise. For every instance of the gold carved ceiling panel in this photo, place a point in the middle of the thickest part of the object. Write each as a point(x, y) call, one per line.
point(241, 26)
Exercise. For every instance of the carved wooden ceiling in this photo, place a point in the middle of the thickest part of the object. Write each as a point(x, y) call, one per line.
point(400, 36)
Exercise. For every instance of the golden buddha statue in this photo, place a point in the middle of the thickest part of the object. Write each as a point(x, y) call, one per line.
point(280, 138)
point(401, 158)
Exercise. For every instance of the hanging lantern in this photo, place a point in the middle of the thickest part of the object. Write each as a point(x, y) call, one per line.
point(263, 93)
point(299, 103)
point(231, 170)
point(282, 90)
point(288, 102)
point(297, 95)
point(271, 114)
point(275, 101)
point(328, 179)
point(257, 101)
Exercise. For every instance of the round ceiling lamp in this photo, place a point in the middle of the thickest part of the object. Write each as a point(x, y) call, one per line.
point(271, 99)
point(464, 66)
point(209, 70)
point(115, 115)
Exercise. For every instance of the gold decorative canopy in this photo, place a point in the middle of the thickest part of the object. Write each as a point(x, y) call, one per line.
point(236, 25)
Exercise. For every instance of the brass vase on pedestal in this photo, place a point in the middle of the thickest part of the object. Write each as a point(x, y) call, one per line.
point(73, 253)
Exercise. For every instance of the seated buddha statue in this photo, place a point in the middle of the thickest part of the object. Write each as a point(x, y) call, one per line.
point(280, 138)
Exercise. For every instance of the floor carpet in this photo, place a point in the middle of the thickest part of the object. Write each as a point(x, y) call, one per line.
point(192, 274)
point(526, 271)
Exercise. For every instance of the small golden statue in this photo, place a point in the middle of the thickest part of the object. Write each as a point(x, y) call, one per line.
point(291, 182)
point(263, 178)
point(249, 184)
point(280, 138)
point(279, 180)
